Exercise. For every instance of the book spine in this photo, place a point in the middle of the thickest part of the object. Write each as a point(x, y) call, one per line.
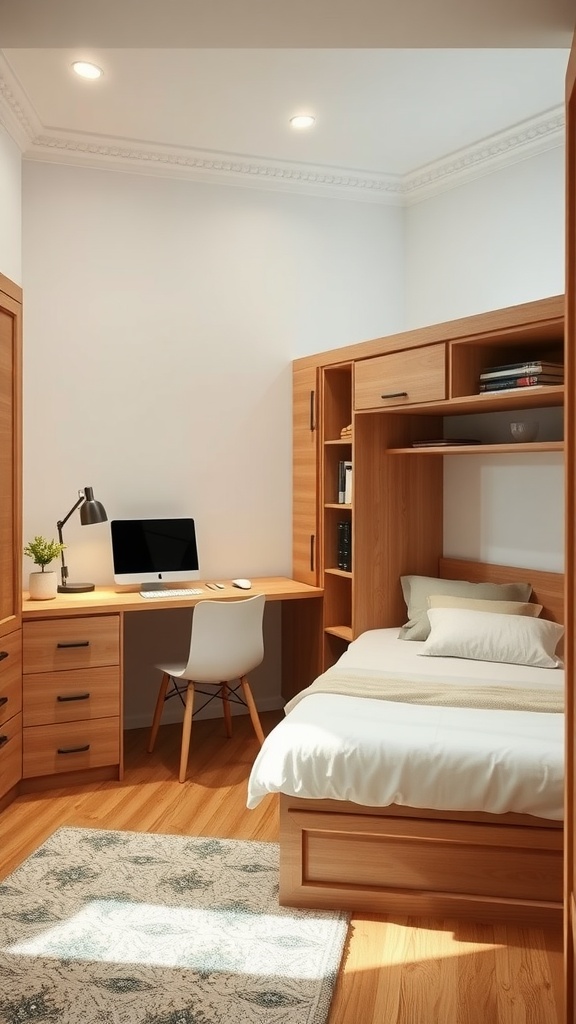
point(345, 545)
point(521, 369)
point(502, 384)
point(347, 483)
point(341, 482)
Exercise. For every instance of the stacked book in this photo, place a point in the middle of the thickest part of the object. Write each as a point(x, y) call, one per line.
point(345, 546)
point(345, 482)
point(346, 433)
point(527, 374)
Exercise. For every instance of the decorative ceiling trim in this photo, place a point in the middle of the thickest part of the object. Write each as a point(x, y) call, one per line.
point(36, 142)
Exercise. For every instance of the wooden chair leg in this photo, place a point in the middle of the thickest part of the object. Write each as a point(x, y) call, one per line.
point(186, 732)
point(158, 711)
point(226, 707)
point(252, 708)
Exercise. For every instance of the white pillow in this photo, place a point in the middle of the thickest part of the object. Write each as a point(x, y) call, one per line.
point(489, 636)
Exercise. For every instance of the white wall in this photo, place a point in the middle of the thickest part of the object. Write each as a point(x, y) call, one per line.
point(10, 208)
point(492, 243)
point(161, 320)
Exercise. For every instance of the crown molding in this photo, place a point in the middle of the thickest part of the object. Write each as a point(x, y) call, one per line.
point(37, 142)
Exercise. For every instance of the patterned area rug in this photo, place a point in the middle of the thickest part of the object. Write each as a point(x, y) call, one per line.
point(131, 928)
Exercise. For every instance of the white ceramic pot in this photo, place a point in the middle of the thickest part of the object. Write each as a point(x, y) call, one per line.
point(43, 585)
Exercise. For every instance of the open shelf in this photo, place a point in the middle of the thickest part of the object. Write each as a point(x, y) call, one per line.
point(508, 448)
point(344, 632)
point(545, 395)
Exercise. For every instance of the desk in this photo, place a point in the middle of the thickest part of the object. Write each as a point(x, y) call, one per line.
point(73, 670)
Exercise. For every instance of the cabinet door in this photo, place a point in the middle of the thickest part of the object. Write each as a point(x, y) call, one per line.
point(570, 554)
point(305, 476)
point(10, 455)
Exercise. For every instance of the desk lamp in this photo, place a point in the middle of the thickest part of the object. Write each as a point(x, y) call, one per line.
point(91, 511)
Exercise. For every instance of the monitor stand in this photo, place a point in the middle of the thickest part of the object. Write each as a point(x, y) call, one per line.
point(152, 586)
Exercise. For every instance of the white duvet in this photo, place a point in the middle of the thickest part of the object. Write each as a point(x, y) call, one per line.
point(379, 752)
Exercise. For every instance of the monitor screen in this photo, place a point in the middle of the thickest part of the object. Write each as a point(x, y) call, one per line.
point(154, 550)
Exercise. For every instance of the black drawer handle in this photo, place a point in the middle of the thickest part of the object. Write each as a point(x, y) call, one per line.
point(72, 696)
point(396, 394)
point(3, 654)
point(3, 701)
point(73, 750)
point(73, 643)
point(3, 740)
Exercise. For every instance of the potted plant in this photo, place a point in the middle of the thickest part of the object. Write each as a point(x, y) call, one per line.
point(43, 585)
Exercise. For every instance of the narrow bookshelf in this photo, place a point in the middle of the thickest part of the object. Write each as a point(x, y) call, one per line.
point(337, 505)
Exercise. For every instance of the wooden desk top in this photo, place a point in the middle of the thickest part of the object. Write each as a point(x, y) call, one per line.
point(112, 599)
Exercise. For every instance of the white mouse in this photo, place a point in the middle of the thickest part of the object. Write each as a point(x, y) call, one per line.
point(243, 584)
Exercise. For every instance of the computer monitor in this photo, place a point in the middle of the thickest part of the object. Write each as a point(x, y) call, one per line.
point(154, 551)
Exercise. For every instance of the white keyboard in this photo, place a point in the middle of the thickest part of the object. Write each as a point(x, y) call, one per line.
point(182, 592)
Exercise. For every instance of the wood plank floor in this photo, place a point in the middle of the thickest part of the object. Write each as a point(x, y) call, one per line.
point(395, 971)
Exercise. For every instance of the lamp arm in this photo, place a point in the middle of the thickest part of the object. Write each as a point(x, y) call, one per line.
point(59, 526)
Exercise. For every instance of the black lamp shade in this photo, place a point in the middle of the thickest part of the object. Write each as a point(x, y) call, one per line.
point(92, 511)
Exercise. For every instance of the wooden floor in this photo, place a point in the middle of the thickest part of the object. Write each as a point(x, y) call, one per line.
point(404, 971)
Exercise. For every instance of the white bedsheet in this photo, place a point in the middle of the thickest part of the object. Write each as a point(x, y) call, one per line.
point(378, 752)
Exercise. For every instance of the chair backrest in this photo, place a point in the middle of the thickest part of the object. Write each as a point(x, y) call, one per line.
point(226, 639)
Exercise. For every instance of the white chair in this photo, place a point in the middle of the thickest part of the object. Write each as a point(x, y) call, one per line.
point(226, 643)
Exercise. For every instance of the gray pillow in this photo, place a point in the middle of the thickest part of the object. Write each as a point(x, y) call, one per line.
point(417, 590)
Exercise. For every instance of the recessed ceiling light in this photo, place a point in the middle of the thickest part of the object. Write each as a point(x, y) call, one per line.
point(302, 121)
point(87, 70)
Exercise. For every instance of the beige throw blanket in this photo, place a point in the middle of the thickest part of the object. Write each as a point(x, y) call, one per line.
point(424, 690)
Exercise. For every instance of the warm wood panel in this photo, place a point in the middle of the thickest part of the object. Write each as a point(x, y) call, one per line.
point(71, 696)
point(401, 378)
point(72, 746)
point(304, 477)
point(547, 587)
point(10, 454)
point(10, 753)
point(66, 644)
point(10, 676)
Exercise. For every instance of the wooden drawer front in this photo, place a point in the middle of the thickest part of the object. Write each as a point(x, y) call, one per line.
point(401, 378)
point(10, 753)
point(10, 675)
point(84, 693)
point(48, 749)
point(56, 644)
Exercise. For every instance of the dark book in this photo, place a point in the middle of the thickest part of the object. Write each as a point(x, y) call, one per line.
point(527, 367)
point(443, 442)
point(527, 381)
point(344, 560)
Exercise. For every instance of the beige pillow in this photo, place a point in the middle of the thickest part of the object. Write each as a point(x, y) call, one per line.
point(479, 605)
point(417, 590)
point(489, 636)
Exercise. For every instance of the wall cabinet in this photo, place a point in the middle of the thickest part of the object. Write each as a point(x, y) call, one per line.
point(10, 540)
point(305, 477)
point(395, 392)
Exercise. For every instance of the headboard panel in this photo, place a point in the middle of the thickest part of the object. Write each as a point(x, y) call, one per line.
point(547, 587)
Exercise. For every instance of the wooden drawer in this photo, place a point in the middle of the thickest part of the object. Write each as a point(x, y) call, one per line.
point(49, 749)
point(52, 645)
point(10, 675)
point(401, 378)
point(84, 693)
point(10, 753)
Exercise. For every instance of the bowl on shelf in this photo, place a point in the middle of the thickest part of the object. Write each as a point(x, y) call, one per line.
point(524, 431)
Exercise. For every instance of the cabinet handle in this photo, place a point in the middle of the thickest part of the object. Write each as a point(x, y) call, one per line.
point(4, 654)
point(396, 394)
point(312, 410)
point(4, 740)
point(73, 643)
point(3, 701)
point(73, 696)
point(312, 551)
point(73, 750)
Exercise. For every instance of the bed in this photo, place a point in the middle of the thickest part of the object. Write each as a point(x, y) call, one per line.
point(446, 801)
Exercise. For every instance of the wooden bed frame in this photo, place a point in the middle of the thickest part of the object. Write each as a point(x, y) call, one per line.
point(401, 860)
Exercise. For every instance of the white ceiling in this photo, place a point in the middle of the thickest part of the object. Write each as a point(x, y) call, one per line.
point(391, 122)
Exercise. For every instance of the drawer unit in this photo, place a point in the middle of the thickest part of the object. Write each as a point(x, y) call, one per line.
point(69, 747)
point(71, 695)
point(10, 753)
point(53, 645)
point(401, 378)
point(10, 675)
point(53, 697)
